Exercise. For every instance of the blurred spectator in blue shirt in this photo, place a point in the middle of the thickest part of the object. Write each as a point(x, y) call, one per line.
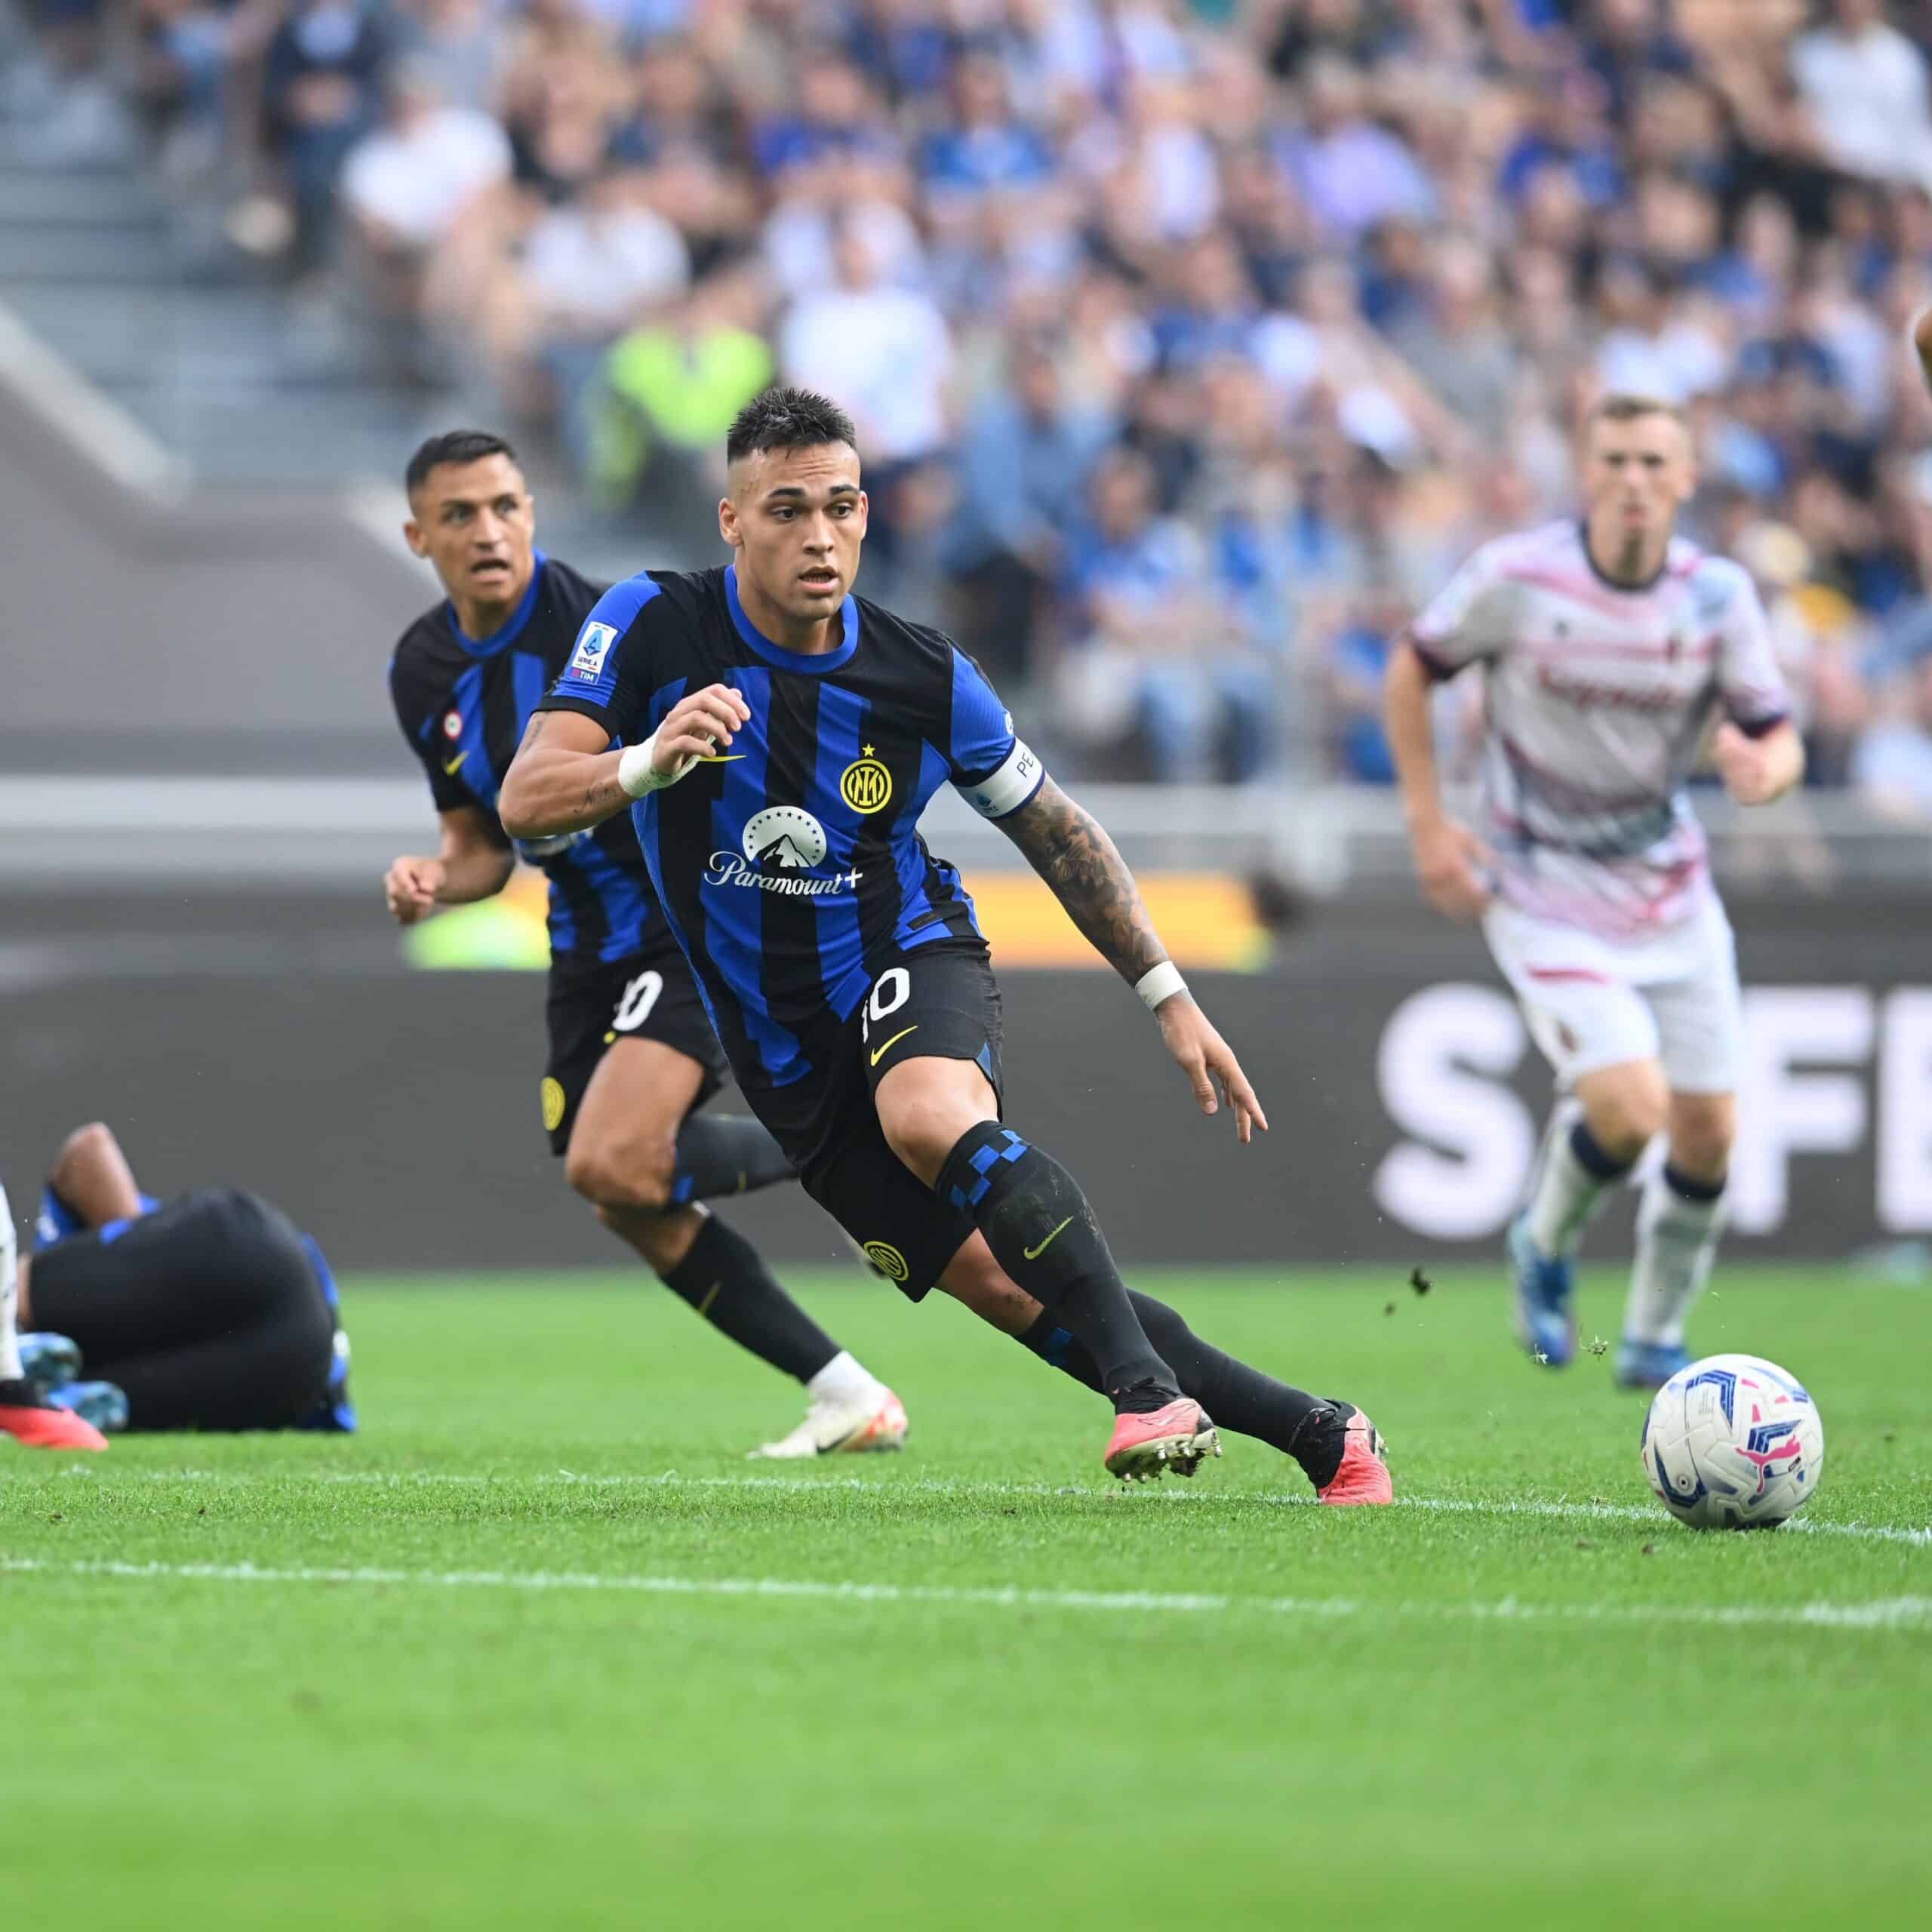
point(1564, 127)
point(1624, 43)
point(1351, 172)
point(1208, 307)
point(1158, 662)
point(321, 93)
point(984, 147)
point(1024, 457)
point(835, 117)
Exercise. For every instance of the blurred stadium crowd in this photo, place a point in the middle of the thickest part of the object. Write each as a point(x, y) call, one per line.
point(1193, 342)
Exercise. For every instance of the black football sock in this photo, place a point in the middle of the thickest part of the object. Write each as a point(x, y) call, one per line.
point(723, 1277)
point(1055, 1347)
point(1042, 1232)
point(1236, 1396)
point(725, 1154)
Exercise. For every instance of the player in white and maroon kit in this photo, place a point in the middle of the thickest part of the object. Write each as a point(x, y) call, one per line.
point(1609, 647)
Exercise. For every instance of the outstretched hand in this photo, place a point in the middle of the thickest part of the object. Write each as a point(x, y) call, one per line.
point(1206, 1058)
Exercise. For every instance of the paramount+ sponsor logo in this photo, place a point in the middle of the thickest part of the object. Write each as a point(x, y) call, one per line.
point(782, 848)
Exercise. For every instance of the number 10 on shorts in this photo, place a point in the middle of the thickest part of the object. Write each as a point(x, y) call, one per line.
point(891, 990)
point(639, 997)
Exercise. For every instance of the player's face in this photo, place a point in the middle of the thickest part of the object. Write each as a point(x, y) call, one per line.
point(476, 523)
point(796, 518)
point(1637, 475)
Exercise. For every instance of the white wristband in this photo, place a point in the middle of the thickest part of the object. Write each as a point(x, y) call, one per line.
point(636, 774)
point(1159, 984)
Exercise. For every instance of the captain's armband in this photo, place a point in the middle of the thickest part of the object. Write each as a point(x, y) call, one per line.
point(1003, 791)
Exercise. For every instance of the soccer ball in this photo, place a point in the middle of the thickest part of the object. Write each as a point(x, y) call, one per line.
point(1733, 1443)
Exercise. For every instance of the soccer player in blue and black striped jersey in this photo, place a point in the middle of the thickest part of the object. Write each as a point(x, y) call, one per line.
point(778, 739)
point(632, 1056)
point(211, 1311)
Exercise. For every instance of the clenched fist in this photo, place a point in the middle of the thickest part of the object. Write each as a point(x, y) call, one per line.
point(411, 886)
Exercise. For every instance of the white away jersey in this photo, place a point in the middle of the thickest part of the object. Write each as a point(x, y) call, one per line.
point(1597, 699)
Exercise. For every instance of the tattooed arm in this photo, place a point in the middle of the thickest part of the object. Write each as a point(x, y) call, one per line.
point(563, 778)
point(1071, 850)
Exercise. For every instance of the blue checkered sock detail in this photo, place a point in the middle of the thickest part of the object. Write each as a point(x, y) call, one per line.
point(1042, 1232)
point(964, 1184)
point(1058, 1348)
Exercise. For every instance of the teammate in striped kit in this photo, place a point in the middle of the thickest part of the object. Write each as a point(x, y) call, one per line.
point(632, 1058)
point(780, 738)
point(1614, 653)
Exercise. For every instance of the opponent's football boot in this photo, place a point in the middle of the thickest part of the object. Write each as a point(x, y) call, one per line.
point(37, 1422)
point(1545, 1286)
point(1177, 1436)
point(1648, 1364)
point(841, 1428)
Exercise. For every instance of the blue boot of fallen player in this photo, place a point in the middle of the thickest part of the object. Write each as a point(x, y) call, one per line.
point(101, 1403)
point(47, 1361)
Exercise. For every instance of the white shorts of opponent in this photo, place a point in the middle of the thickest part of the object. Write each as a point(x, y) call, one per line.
point(1592, 1002)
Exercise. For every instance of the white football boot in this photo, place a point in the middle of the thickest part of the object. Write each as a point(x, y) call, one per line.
point(842, 1427)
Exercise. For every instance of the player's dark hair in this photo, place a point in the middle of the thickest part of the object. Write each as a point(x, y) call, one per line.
point(453, 446)
point(788, 419)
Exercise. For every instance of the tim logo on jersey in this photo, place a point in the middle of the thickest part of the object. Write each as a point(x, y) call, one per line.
point(593, 646)
point(782, 846)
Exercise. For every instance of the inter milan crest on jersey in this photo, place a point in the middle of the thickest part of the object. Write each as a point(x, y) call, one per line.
point(866, 785)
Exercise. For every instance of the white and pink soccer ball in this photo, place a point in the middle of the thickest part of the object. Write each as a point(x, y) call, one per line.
point(1733, 1442)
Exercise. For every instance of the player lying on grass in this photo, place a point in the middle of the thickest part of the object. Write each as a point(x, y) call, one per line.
point(776, 739)
point(632, 1058)
point(1610, 647)
point(211, 1311)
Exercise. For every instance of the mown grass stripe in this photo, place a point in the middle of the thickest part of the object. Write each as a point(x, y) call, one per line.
point(1881, 1613)
point(1557, 1508)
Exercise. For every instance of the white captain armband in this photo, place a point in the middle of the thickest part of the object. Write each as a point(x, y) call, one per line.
point(1003, 791)
point(636, 775)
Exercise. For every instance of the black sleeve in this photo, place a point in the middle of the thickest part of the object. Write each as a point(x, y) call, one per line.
point(416, 714)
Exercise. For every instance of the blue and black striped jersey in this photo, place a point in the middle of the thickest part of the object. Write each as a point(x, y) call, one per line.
point(791, 868)
point(462, 703)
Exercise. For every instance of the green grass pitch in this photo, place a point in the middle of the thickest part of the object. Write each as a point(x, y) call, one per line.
point(540, 1649)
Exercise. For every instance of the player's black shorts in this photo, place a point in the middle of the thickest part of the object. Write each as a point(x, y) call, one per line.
point(206, 1311)
point(647, 995)
point(941, 1002)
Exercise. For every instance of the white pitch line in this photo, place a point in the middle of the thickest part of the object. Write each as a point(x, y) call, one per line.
point(1909, 1613)
point(1558, 1510)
